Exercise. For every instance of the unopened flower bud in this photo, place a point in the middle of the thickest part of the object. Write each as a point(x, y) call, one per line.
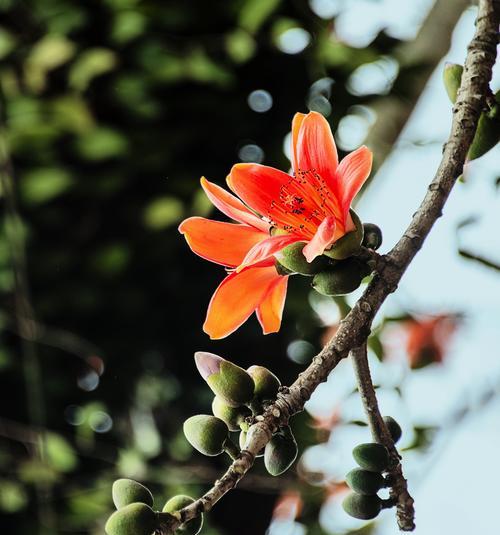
point(174, 505)
point(487, 132)
point(361, 506)
point(133, 519)
point(452, 77)
point(292, 259)
point(227, 380)
point(372, 238)
point(243, 440)
point(206, 433)
point(349, 243)
point(364, 481)
point(371, 456)
point(232, 416)
point(127, 491)
point(341, 279)
point(394, 428)
point(280, 453)
point(266, 383)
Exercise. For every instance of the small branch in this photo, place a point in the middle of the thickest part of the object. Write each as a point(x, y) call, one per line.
point(355, 327)
point(480, 259)
point(399, 490)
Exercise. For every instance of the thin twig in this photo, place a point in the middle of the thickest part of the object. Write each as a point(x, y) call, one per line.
point(399, 488)
point(355, 327)
point(480, 259)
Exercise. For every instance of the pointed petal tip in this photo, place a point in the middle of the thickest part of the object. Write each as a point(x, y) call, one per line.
point(207, 363)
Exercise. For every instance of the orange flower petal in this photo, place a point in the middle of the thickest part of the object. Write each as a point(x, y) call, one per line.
point(322, 239)
point(231, 206)
point(316, 148)
point(270, 311)
point(236, 298)
point(267, 248)
point(352, 173)
point(296, 124)
point(219, 242)
point(275, 195)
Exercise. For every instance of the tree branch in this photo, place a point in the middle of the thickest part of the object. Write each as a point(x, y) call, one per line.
point(355, 327)
point(399, 489)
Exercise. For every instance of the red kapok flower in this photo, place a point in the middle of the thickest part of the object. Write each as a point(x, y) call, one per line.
point(428, 339)
point(311, 206)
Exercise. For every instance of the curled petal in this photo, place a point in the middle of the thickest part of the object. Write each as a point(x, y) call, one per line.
point(352, 173)
point(219, 242)
point(270, 311)
point(236, 298)
point(323, 238)
point(231, 206)
point(298, 118)
point(267, 248)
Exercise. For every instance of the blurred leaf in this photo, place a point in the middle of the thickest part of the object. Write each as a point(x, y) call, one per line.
point(112, 259)
point(375, 344)
point(240, 46)
point(50, 52)
point(200, 67)
point(42, 185)
point(13, 497)
point(127, 26)
point(7, 42)
point(255, 12)
point(71, 113)
point(60, 454)
point(90, 64)
point(131, 464)
point(163, 212)
point(35, 471)
point(201, 205)
point(101, 143)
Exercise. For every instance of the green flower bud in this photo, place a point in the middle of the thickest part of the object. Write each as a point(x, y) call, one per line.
point(175, 504)
point(371, 456)
point(452, 77)
point(362, 507)
point(365, 482)
point(487, 133)
point(349, 243)
point(232, 416)
point(282, 270)
point(127, 491)
point(243, 440)
point(133, 519)
point(229, 382)
point(266, 383)
point(393, 427)
point(343, 278)
point(292, 259)
point(372, 238)
point(280, 453)
point(206, 433)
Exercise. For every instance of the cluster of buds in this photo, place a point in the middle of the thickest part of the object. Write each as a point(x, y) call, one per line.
point(135, 514)
point(338, 271)
point(488, 128)
point(239, 396)
point(368, 479)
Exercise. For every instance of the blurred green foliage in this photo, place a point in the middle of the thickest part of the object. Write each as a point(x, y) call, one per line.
point(112, 110)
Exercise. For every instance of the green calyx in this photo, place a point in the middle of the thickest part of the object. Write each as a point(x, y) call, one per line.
point(280, 452)
point(232, 416)
point(371, 456)
point(452, 77)
point(364, 481)
point(361, 506)
point(127, 491)
point(293, 261)
point(349, 243)
point(231, 384)
point(133, 519)
point(206, 433)
point(394, 428)
point(372, 238)
point(174, 505)
point(341, 279)
point(266, 383)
